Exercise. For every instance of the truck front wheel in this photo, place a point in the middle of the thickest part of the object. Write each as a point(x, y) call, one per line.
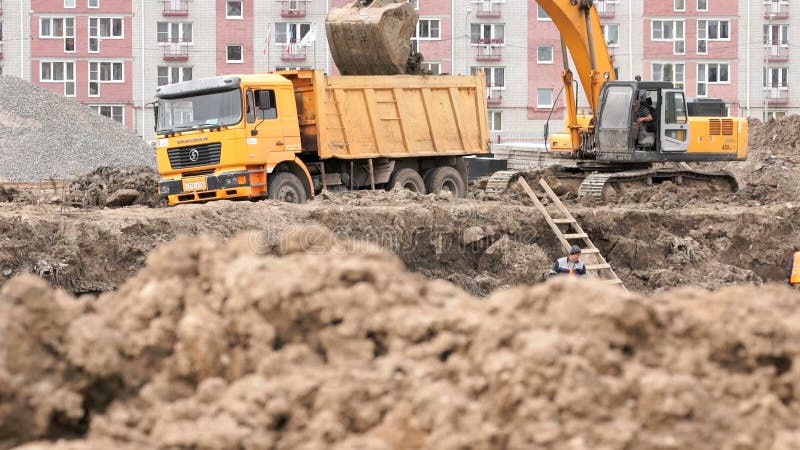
point(445, 178)
point(407, 179)
point(286, 187)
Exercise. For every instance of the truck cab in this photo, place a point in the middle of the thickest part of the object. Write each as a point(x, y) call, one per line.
point(219, 137)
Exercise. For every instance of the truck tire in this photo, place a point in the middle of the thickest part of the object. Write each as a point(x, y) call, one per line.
point(286, 187)
point(445, 178)
point(407, 179)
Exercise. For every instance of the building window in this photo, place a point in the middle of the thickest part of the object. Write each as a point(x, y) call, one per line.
point(775, 114)
point(290, 33)
point(495, 121)
point(495, 76)
point(544, 98)
point(776, 77)
point(55, 72)
point(106, 27)
point(174, 32)
point(93, 4)
point(776, 35)
point(434, 68)
point(56, 27)
point(544, 54)
point(234, 54)
point(116, 112)
point(487, 33)
point(611, 32)
point(169, 75)
point(702, 5)
point(670, 30)
point(234, 9)
point(428, 30)
point(673, 72)
point(541, 14)
point(104, 72)
point(680, 5)
point(69, 4)
point(415, 3)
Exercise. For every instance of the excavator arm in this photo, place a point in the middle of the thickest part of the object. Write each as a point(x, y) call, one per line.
point(578, 23)
point(373, 37)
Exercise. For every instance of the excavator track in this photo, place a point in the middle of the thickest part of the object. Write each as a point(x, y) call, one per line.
point(595, 183)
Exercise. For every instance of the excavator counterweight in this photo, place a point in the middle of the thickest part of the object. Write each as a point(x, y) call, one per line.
point(371, 37)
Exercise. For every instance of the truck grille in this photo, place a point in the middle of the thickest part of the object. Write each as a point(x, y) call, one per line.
point(194, 156)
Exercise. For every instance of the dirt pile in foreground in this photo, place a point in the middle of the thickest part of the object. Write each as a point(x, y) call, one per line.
point(216, 346)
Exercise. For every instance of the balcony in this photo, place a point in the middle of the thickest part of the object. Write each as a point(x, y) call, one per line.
point(774, 10)
point(494, 95)
point(606, 9)
point(175, 8)
point(488, 9)
point(293, 8)
point(176, 50)
point(292, 52)
point(777, 96)
point(777, 53)
point(488, 50)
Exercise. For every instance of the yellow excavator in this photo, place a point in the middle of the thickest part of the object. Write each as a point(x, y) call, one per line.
point(604, 147)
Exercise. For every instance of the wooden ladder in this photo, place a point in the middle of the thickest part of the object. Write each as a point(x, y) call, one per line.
point(596, 264)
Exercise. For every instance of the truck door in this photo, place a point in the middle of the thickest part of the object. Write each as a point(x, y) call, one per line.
point(674, 122)
point(264, 130)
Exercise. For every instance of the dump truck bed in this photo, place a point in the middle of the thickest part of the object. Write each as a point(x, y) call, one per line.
point(355, 117)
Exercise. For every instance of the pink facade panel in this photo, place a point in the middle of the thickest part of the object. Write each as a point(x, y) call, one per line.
point(61, 44)
point(235, 27)
point(438, 50)
point(82, 6)
point(543, 76)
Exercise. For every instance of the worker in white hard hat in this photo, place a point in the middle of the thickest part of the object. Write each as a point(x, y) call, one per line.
point(569, 265)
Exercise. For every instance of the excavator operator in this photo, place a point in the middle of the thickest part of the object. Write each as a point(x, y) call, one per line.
point(642, 122)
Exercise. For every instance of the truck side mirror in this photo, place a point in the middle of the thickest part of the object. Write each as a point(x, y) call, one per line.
point(155, 117)
point(264, 100)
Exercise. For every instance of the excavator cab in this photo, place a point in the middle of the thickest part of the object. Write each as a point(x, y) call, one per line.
point(619, 138)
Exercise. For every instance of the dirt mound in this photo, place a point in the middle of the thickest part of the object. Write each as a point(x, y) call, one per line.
point(214, 345)
point(103, 186)
point(44, 135)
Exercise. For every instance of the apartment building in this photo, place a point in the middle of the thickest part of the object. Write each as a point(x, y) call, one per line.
point(765, 75)
point(113, 54)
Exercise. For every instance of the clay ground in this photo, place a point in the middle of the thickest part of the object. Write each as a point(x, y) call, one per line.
point(478, 245)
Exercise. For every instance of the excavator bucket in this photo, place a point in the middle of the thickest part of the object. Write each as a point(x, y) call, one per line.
point(371, 37)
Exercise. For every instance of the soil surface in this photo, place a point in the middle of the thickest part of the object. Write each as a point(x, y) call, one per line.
point(479, 246)
point(306, 341)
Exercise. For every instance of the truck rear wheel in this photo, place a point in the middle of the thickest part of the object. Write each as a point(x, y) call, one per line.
point(445, 178)
point(407, 179)
point(286, 187)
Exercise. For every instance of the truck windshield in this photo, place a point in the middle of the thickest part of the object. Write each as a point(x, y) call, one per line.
point(200, 111)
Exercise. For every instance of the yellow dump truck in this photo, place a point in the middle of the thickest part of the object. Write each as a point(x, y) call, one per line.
point(287, 135)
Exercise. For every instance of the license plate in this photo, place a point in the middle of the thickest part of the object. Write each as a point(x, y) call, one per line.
point(194, 185)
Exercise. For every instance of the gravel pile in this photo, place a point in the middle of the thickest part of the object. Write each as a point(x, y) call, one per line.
point(44, 135)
